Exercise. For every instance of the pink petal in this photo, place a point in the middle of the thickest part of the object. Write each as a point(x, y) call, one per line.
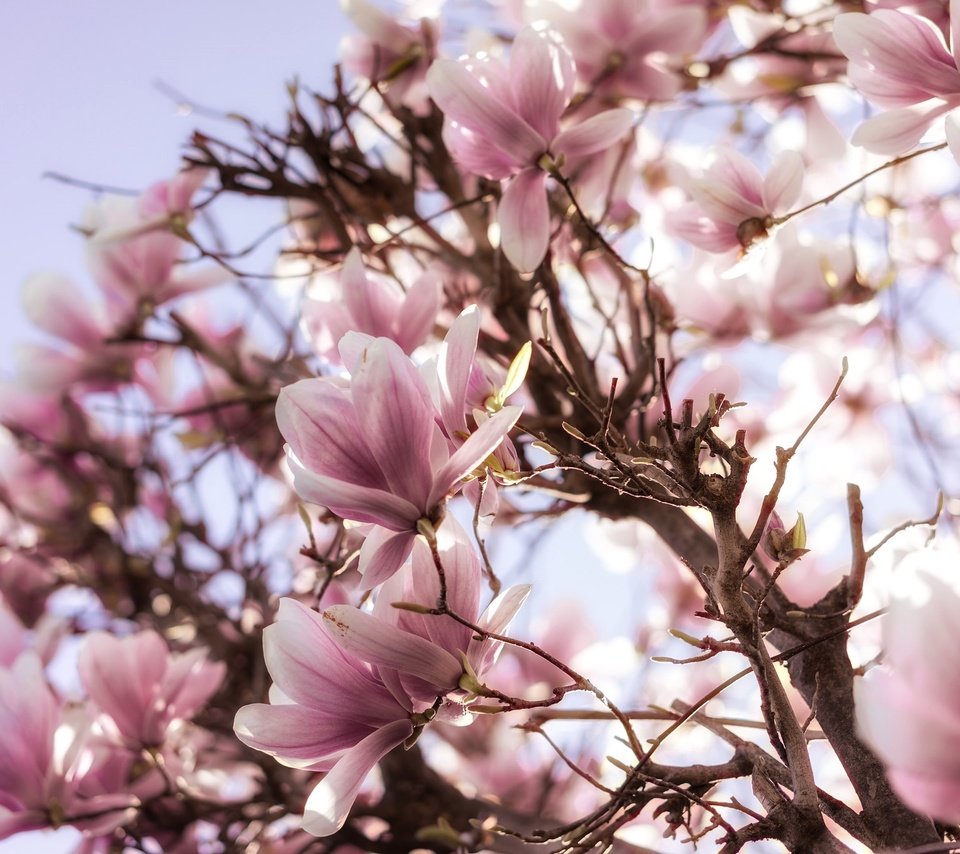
point(903, 48)
point(318, 420)
point(56, 305)
point(419, 312)
point(376, 25)
point(542, 76)
point(784, 181)
point(394, 407)
point(468, 102)
point(474, 153)
point(381, 644)
point(896, 131)
point(368, 301)
point(474, 451)
point(670, 31)
point(524, 218)
point(455, 364)
point(723, 203)
point(928, 794)
point(595, 134)
point(330, 802)
point(691, 224)
point(349, 501)
point(496, 619)
point(120, 677)
point(382, 554)
point(313, 671)
point(296, 735)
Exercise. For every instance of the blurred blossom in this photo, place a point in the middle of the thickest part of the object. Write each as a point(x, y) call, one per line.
point(908, 709)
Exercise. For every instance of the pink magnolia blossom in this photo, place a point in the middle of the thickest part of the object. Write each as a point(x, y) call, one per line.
point(389, 53)
point(734, 205)
point(86, 356)
point(142, 688)
point(134, 247)
point(908, 710)
point(369, 303)
point(623, 47)
point(373, 450)
point(50, 773)
point(503, 121)
point(901, 61)
point(349, 686)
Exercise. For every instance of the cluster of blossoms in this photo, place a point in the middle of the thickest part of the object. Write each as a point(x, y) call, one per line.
point(251, 543)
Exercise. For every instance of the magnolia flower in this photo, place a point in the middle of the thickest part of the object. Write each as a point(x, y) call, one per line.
point(734, 205)
point(373, 450)
point(135, 245)
point(49, 774)
point(504, 122)
point(908, 710)
point(901, 61)
point(389, 53)
point(141, 687)
point(621, 47)
point(371, 304)
point(349, 686)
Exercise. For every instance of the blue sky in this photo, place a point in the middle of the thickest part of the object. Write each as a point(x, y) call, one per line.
point(80, 97)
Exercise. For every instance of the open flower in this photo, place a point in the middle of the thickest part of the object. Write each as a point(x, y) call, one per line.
point(135, 244)
point(361, 302)
point(142, 688)
point(373, 451)
point(901, 61)
point(504, 122)
point(50, 772)
point(623, 47)
point(349, 685)
point(734, 205)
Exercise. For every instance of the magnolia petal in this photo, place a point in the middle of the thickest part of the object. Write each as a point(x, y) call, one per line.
point(784, 182)
point(56, 305)
point(312, 670)
point(381, 644)
point(394, 407)
point(905, 48)
point(376, 25)
point(382, 554)
point(474, 451)
point(419, 311)
point(928, 794)
point(318, 420)
point(524, 218)
point(469, 103)
point(896, 131)
point(542, 75)
point(595, 134)
point(496, 619)
point(330, 802)
point(295, 735)
point(120, 676)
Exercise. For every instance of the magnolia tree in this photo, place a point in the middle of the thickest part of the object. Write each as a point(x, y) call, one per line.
point(569, 464)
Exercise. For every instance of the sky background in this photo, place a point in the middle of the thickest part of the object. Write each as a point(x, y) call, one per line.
point(80, 97)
